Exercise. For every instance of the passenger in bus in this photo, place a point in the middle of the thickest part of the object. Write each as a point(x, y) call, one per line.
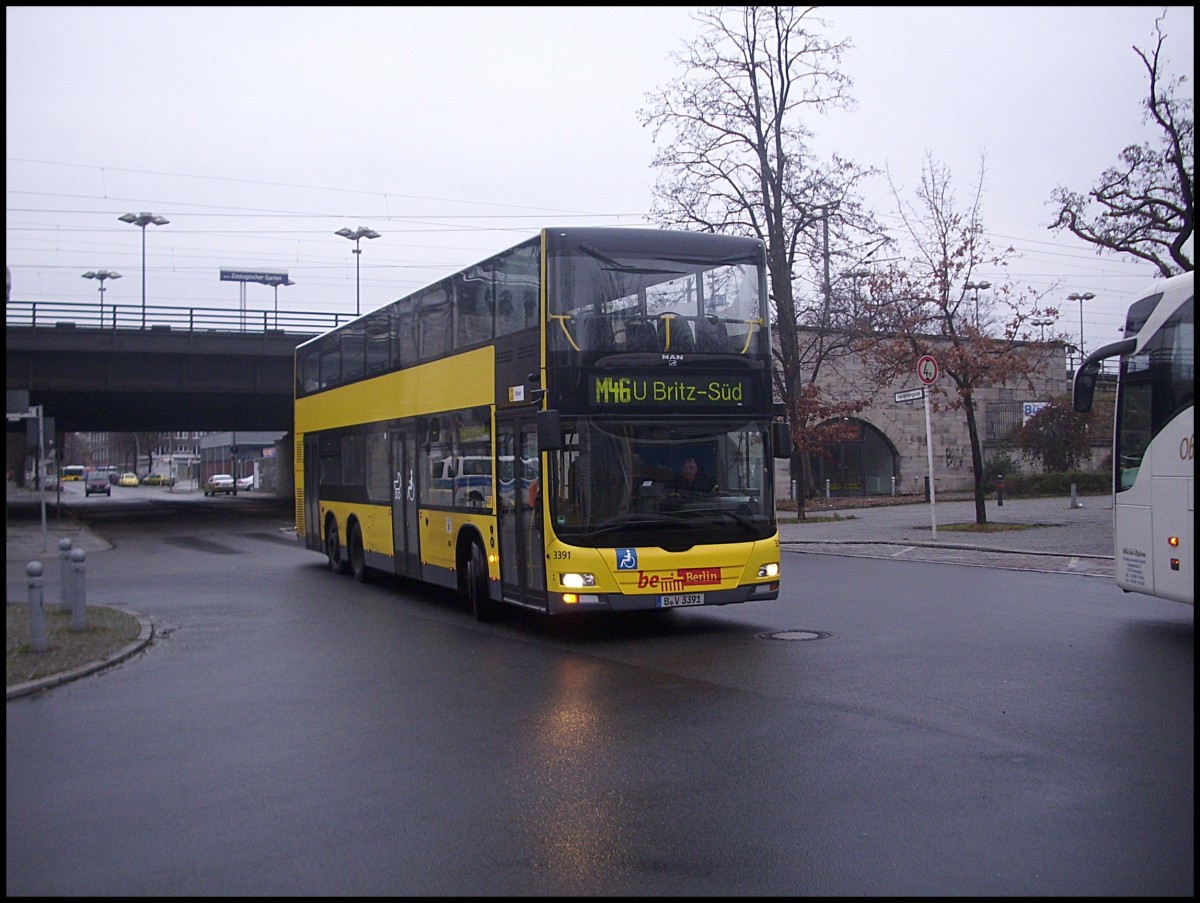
point(530, 303)
point(693, 480)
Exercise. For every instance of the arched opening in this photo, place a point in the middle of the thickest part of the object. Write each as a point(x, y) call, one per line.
point(865, 464)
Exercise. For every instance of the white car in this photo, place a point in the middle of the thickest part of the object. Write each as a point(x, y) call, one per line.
point(220, 482)
point(245, 483)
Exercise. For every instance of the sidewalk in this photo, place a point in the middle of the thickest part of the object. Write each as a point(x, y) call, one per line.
point(1053, 535)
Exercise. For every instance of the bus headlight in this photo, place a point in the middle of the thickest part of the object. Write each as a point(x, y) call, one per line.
point(578, 581)
point(769, 570)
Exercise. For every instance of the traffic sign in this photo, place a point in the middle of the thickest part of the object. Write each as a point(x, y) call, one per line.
point(910, 395)
point(927, 369)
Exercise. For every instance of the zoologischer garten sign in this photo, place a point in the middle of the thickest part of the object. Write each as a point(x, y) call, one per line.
point(265, 277)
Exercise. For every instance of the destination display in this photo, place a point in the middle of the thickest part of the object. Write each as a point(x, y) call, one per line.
point(675, 392)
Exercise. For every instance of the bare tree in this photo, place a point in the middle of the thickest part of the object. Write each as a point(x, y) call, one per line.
point(924, 308)
point(734, 156)
point(1144, 206)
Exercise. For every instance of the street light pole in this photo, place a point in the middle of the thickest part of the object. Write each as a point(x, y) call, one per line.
point(102, 275)
point(143, 220)
point(1075, 296)
point(356, 236)
point(285, 282)
point(1042, 324)
point(977, 286)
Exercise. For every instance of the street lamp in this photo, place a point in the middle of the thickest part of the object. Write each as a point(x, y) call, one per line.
point(1042, 323)
point(142, 220)
point(102, 275)
point(977, 286)
point(356, 236)
point(286, 281)
point(1075, 296)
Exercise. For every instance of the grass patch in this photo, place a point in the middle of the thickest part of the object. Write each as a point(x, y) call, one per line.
point(984, 528)
point(108, 631)
point(824, 518)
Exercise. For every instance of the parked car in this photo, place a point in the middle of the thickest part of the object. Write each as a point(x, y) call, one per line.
point(152, 479)
point(96, 482)
point(221, 482)
point(128, 479)
point(246, 483)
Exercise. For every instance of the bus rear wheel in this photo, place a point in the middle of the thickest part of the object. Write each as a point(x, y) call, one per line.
point(358, 559)
point(333, 549)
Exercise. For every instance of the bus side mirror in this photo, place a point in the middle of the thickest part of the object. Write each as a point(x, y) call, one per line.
point(549, 431)
point(781, 438)
point(1085, 386)
point(1088, 373)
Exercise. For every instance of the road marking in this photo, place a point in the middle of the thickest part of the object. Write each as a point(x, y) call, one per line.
point(903, 551)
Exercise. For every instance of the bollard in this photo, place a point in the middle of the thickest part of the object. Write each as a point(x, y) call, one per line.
point(64, 574)
point(827, 490)
point(893, 487)
point(37, 616)
point(78, 591)
point(1074, 500)
point(1000, 490)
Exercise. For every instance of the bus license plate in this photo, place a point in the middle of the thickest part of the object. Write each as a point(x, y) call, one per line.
point(681, 599)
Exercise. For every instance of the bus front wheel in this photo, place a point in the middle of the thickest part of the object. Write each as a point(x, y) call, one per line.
point(476, 584)
point(333, 549)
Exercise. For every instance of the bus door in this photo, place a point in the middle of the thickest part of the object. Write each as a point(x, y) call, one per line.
point(517, 466)
point(404, 503)
point(313, 533)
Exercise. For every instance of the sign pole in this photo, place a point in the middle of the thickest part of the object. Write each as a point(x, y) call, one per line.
point(927, 373)
point(929, 448)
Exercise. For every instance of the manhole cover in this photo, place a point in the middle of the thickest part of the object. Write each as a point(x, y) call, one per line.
point(797, 635)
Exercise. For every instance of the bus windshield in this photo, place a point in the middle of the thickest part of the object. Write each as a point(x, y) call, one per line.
point(676, 485)
point(612, 299)
point(1156, 384)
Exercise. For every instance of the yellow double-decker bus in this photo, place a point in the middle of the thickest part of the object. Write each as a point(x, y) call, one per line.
point(583, 422)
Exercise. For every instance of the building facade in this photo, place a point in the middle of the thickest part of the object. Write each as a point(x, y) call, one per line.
point(888, 454)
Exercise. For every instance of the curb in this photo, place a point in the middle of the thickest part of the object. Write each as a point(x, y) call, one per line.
point(45, 683)
point(938, 545)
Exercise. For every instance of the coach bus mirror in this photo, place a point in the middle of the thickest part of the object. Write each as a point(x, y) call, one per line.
point(781, 438)
point(1088, 373)
point(549, 431)
point(1085, 386)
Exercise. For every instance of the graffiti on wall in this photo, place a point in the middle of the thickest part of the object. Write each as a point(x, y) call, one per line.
point(954, 457)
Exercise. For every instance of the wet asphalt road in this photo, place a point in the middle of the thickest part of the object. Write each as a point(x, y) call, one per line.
point(888, 727)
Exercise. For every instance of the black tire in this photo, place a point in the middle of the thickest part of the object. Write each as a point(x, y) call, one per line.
point(358, 559)
point(333, 550)
point(475, 585)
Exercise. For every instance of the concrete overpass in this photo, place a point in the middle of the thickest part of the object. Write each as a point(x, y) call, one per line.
point(119, 369)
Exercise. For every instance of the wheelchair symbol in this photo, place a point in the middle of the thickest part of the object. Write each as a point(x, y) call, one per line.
point(626, 559)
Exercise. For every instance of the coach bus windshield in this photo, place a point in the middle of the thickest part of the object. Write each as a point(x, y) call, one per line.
point(677, 485)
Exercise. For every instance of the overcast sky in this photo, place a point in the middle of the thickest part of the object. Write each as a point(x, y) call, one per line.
point(455, 133)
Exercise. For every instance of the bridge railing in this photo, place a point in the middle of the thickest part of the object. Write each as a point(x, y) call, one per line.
point(71, 315)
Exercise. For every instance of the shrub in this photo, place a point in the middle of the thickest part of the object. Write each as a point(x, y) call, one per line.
point(1000, 462)
point(1056, 436)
